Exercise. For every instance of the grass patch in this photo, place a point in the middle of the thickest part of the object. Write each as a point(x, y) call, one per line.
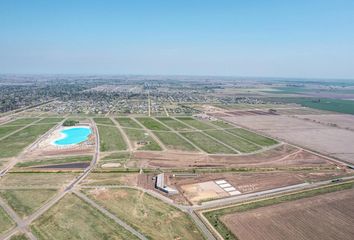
point(116, 155)
point(174, 124)
point(214, 216)
point(222, 124)
point(147, 214)
point(253, 137)
point(20, 236)
point(72, 218)
point(206, 143)
point(5, 221)
point(21, 121)
point(55, 161)
point(127, 122)
point(107, 178)
point(152, 124)
point(195, 123)
point(172, 141)
point(7, 130)
point(14, 144)
point(51, 120)
point(105, 121)
point(233, 141)
point(45, 180)
point(136, 136)
point(26, 201)
point(110, 139)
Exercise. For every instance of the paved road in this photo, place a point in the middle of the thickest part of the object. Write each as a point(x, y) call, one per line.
point(110, 215)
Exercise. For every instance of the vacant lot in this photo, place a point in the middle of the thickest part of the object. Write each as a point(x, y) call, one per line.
point(152, 217)
point(5, 221)
point(72, 218)
point(151, 124)
point(110, 178)
point(110, 139)
point(26, 201)
point(337, 142)
point(21, 121)
point(105, 121)
point(222, 124)
point(128, 122)
point(196, 123)
point(329, 216)
point(141, 140)
point(7, 130)
point(233, 141)
point(49, 180)
point(51, 120)
point(14, 144)
point(174, 124)
point(206, 143)
point(253, 137)
point(172, 141)
point(48, 161)
point(19, 236)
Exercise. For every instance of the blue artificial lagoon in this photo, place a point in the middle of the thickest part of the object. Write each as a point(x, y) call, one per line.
point(73, 135)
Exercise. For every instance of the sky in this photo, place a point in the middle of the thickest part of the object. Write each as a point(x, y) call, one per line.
point(284, 38)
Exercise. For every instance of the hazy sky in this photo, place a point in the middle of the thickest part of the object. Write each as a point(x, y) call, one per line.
point(290, 38)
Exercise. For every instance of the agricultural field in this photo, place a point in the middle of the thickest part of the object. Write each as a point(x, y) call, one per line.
point(111, 139)
point(72, 218)
point(5, 221)
point(173, 141)
point(300, 209)
point(136, 136)
point(104, 121)
point(174, 124)
point(146, 213)
point(196, 123)
point(127, 122)
point(15, 143)
point(206, 143)
point(26, 201)
point(151, 124)
point(237, 143)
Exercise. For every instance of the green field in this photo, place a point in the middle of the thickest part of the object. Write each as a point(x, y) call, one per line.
point(14, 144)
point(72, 218)
point(136, 135)
point(222, 124)
point(111, 139)
point(116, 155)
point(152, 217)
point(51, 120)
point(26, 201)
point(233, 141)
point(22, 121)
point(206, 143)
point(214, 216)
point(253, 137)
point(174, 124)
point(54, 161)
point(7, 130)
point(5, 221)
point(19, 236)
point(105, 121)
point(172, 141)
point(45, 180)
point(152, 124)
point(196, 123)
point(127, 122)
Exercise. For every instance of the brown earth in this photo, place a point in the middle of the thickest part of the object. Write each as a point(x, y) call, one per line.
point(324, 217)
